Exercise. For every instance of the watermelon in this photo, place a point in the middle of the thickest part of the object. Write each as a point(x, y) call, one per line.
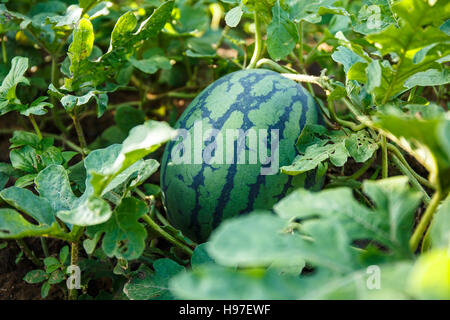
point(202, 188)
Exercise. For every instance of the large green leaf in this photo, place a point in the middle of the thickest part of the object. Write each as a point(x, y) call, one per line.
point(217, 282)
point(53, 184)
point(282, 33)
point(390, 222)
point(91, 211)
point(27, 202)
point(141, 141)
point(234, 243)
point(148, 285)
point(80, 49)
point(416, 31)
point(440, 227)
point(283, 248)
point(124, 237)
point(14, 226)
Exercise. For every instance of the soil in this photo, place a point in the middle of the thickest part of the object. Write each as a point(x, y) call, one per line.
point(12, 285)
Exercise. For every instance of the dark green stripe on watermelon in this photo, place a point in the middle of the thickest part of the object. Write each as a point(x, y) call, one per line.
point(198, 197)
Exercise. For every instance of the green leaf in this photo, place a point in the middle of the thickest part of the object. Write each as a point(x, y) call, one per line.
point(311, 11)
point(25, 159)
point(360, 146)
point(152, 189)
point(56, 276)
point(15, 76)
point(374, 16)
point(430, 277)
point(63, 254)
point(141, 141)
point(148, 168)
point(123, 30)
point(346, 57)
point(70, 18)
point(431, 77)
point(154, 60)
point(69, 101)
point(91, 211)
point(80, 49)
point(87, 3)
point(235, 244)
point(200, 256)
point(124, 237)
point(25, 181)
point(14, 226)
point(352, 286)
point(146, 285)
point(390, 222)
point(217, 282)
point(45, 289)
point(24, 138)
point(233, 17)
point(100, 161)
point(35, 276)
point(27, 202)
point(53, 184)
point(317, 145)
point(153, 24)
point(51, 264)
point(127, 117)
point(415, 33)
point(440, 227)
point(3, 180)
point(37, 107)
point(282, 34)
point(202, 47)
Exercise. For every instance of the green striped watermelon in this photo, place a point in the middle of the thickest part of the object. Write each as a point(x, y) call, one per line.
point(198, 195)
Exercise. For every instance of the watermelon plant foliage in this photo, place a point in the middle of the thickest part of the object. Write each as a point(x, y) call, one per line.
point(359, 207)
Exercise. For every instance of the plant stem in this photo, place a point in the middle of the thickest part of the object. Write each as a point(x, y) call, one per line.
point(275, 66)
point(4, 54)
point(53, 100)
point(28, 253)
point(300, 36)
point(413, 180)
point(304, 78)
point(425, 221)
point(344, 123)
point(77, 232)
point(44, 247)
point(35, 126)
point(80, 133)
point(155, 227)
point(402, 159)
point(73, 261)
point(69, 143)
point(384, 158)
point(411, 94)
point(258, 42)
point(363, 169)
